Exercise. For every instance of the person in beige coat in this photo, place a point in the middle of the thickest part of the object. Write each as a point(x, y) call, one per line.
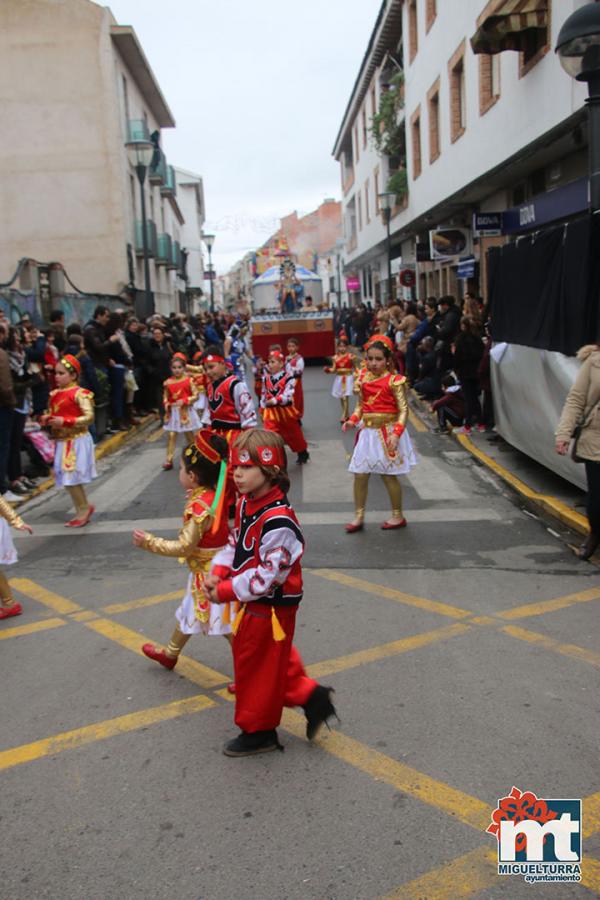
point(583, 400)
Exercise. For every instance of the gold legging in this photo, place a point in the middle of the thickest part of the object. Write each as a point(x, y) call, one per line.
point(179, 640)
point(78, 498)
point(172, 440)
point(361, 490)
point(6, 597)
point(345, 401)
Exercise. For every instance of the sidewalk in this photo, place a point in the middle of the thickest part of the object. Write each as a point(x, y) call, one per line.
point(540, 489)
point(104, 448)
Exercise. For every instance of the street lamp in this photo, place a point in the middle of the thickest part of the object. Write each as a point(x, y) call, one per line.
point(209, 240)
point(139, 154)
point(386, 202)
point(578, 48)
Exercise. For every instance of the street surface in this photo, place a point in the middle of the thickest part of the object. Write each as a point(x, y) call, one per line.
point(463, 651)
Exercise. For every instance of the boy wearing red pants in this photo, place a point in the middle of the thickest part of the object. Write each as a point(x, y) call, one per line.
point(277, 406)
point(261, 569)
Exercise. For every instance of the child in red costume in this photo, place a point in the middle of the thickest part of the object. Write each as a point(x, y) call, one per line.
point(260, 568)
point(71, 412)
point(179, 397)
point(295, 366)
point(342, 366)
point(277, 406)
point(202, 463)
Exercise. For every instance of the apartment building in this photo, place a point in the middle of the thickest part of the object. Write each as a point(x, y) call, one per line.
point(77, 86)
point(190, 198)
point(484, 121)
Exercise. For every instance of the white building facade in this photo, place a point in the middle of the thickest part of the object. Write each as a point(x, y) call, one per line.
point(77, 87)
point(190, 198)
point(481, 133)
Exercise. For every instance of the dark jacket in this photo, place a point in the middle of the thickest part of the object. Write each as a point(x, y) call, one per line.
point(7, 394)
point(97, 344)
point(454, 401)
point(468, 350)
point(159, 360)
point(88, 378)
point(449, 325)
point(426, 328)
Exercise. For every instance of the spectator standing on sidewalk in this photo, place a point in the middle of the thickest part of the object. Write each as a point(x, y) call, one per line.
point(57, 324)
point(119, 359)
point(468, 351)
point(7, 406)
point(582, 406)
point(447, 329)
point(159, 368)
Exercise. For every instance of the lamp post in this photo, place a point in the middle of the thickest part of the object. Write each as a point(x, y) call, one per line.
point(139, 154)
point(339, 247)
point(386, 201)
point(209, 240)
point(578, 48)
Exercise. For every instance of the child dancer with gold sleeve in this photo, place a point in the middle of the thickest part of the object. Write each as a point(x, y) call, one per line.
point(202, 473)
point(8, 555)
point(383, 445)
point(71, 412)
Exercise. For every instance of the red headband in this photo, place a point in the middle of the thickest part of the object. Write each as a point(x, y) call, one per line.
point(214, 357)
point(267, 456)
point(197, 355)
point(380, 339)
point(71, 363)
point(203, 446)
point(180, 356)
point(277, 354)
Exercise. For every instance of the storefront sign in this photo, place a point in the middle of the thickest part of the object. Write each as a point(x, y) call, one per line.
point(449, 242)
point(466, 268)
point(353, 284)
point(408, 278)
point(487, 224)
point(552, 206)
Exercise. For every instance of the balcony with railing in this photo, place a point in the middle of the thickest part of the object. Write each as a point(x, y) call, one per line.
point(169, 188)
point(137, 130)
point(157, 173)
point(164, 250)
point(151, 237)
point(175, 262)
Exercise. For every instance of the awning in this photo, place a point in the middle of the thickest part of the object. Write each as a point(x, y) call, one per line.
point(508, 25)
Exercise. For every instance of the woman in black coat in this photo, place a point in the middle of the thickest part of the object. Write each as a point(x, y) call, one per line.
point(158, 367)
point(468, 350)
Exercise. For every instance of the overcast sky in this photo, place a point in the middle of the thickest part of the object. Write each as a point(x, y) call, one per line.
point(258, 91)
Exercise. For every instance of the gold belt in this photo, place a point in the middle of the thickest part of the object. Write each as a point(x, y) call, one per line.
point(69, 434)
point(344, 371)
point(201, 557)
point(378, 420)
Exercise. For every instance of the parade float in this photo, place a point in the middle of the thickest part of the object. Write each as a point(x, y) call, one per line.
point(286, 300)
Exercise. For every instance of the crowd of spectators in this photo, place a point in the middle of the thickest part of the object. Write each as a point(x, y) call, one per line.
point(124, 361)
point(442, 347)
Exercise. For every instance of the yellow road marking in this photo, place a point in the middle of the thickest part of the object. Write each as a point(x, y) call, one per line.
point(542, 640)
point(590, 874)
point(132, 640)
point(329, 666)
point(443, 609)
point(553, 506)
point(546, 606)
point(114, 608)
point(483, 620)
point(416, 422)
point(156, 435)
point(68, 740)
point(48, 598)
point(461, 806)
point(591, 814)
point(467, 875)
point(86, 616)
point(31, 628)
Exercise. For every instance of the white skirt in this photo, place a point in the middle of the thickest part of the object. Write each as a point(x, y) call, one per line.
point(370, 454)
point(201, 404)
point(342, 388)
point(174, 423)
point(8, 553)
point(189, 624)
point(85, 462)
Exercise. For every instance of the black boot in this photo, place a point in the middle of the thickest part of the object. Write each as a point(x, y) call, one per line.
point(589, 546)
point(251, 743)
point(318, 709)
point(302, 458)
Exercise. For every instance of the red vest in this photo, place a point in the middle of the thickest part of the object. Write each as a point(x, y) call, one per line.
point(63, 402)
point(195, 508)
point(221, 403)
point(377, 395)
point(178, 389)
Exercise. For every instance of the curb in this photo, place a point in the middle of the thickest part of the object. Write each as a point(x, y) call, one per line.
point(545, 502)
point(105, 448)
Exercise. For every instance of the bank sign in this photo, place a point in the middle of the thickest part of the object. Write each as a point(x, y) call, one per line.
point(487, 224)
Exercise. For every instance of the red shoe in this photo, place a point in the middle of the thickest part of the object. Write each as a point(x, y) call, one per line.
point(79, 523)
point(231, 688)
point(15, 609)
point(352, 527)
point(388, 527)
point(167, 466)
point(169, 662)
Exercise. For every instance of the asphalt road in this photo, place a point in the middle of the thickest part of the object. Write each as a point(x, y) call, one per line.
point(455, 679)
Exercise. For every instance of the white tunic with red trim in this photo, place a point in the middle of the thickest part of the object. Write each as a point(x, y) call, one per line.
point(262, 559)
point(230, 404)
